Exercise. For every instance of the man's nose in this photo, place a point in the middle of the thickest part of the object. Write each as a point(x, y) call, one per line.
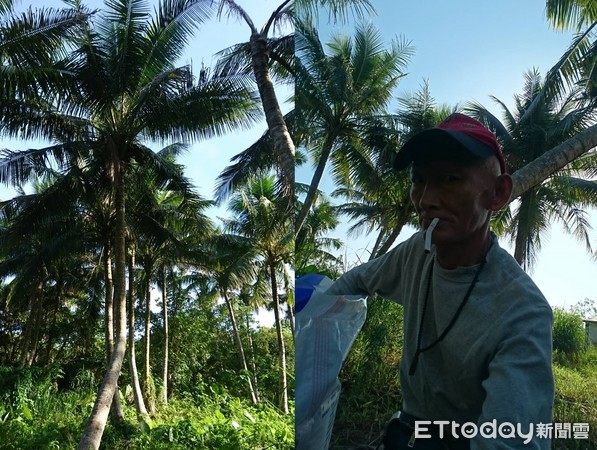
point(429, 197)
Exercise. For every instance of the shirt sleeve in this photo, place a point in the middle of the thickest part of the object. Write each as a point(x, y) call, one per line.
point(520, 387)
point(378, 276)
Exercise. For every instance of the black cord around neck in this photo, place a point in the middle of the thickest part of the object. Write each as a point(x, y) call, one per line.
point(419, 350)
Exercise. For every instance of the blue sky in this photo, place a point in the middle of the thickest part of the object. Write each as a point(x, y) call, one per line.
point(469, 50)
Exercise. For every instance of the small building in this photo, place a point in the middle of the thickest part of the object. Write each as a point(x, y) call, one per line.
point(591, 325)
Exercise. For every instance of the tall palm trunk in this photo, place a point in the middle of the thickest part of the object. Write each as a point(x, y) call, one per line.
point(390, 239)
point(283, 145)
point(545, 165)
point(117, 411)
point(148, 391)
point(52, 327)
point(378, 241)
point(36, 329)
point(166, 332)
point(137, 394)
point(239, 344)
point(99, 415)
point(252, 358)
point(521, 246)
point(109, 302)
point(281, 346)
point(326, 150)
point(34, 307)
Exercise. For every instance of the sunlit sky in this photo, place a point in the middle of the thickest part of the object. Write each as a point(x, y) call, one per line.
point(467, 49)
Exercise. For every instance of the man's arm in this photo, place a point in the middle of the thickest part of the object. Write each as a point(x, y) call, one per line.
point(520, 387)
point(378, 276)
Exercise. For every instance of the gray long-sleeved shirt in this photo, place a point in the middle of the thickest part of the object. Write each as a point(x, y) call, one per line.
point(494, 364)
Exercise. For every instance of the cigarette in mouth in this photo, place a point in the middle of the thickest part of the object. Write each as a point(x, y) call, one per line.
point(428, 233)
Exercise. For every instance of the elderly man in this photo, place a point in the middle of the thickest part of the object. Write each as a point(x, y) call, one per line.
point(476, 367)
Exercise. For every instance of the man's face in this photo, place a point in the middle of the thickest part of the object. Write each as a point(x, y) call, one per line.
point(460, 195)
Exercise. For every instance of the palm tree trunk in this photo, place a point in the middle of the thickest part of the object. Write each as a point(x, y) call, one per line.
point(380, 236)
point(281, 346)
point(137, 395)
point(522, 239)
point(52, 327)
point(283, 145)
point(99, 415)
point(165, 320)
point(313, 187)
point(26, 337)
point(109, 303)
point(252, 358)
point(148, 390)
point(291, 318)
point(390, 240)
point(34, 299)
point(239, 343)
point(541, 168)
point(36, 329)
point(117, 411)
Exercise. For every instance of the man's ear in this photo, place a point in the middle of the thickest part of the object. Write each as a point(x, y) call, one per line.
point(502, 192)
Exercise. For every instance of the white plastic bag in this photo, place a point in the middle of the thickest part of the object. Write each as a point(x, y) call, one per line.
point(326, 327)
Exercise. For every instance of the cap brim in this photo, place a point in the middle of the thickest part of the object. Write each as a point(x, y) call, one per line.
point(438, 144)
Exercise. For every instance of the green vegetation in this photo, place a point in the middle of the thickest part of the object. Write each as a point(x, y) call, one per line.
point(36, 413)
point(570, 340)
point(112, 270)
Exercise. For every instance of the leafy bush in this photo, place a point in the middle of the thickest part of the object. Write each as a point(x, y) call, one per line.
point(569, 336)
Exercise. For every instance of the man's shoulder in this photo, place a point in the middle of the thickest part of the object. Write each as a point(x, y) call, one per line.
point(516, 284)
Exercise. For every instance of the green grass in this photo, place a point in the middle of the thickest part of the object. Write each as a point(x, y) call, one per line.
point(214, 421)
point(576, 397)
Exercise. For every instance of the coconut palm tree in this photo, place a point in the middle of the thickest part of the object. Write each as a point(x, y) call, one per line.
point(126, 89)
point(575, 67)
point(262, 51)
point(165, 212)
point(232, 266)
point(339, 93)
point(526, 134)
point(260, 215)
point(264, 55)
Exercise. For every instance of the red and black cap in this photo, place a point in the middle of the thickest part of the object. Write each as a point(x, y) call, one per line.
point(458, 137)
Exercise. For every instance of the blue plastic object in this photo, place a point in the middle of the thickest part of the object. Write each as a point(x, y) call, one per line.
point(304, 287)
